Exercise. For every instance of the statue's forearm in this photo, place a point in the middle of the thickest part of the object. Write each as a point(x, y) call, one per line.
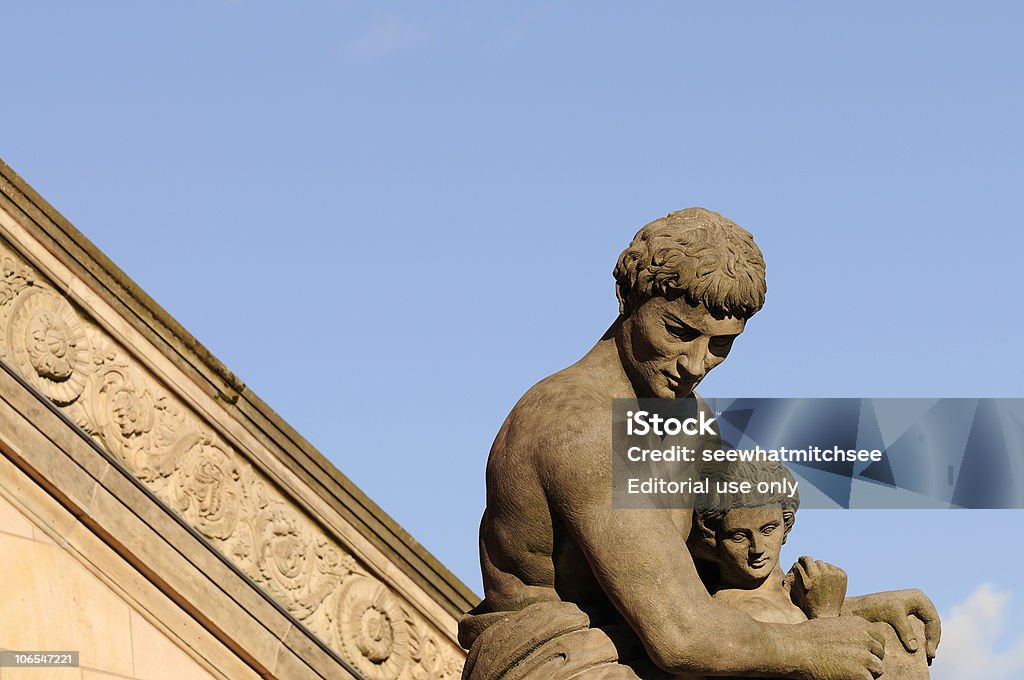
point(735, 646)
point(877, 606)
point(895, 607)
point(854, 604)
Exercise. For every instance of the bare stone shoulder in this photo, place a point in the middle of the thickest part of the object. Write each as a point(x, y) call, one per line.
point(560, 559)
point(562, 425)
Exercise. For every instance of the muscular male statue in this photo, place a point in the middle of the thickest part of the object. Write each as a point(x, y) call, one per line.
point(578, 589)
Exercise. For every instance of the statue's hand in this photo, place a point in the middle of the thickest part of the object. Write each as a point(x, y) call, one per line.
point(895, 607)
point(846, 648)
point(817, 587)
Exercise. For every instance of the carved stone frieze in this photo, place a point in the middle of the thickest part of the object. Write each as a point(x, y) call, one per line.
point(188, 465)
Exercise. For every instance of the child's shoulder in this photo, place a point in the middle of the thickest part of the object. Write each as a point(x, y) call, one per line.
point(774, 607)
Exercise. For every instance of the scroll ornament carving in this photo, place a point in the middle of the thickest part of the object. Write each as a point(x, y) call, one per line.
point(200, 476)
point(15, 277)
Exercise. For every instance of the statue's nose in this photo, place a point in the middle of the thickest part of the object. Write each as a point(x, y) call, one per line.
point(693, 362)
point(756, 545)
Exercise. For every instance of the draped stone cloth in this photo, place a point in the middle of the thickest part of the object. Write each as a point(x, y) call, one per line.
point(558, 641)
point(551, 641)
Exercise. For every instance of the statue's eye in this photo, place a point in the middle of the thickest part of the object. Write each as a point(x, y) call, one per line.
point(684, 333)
point(768, 529)
point(739, 536)
point(722, 342)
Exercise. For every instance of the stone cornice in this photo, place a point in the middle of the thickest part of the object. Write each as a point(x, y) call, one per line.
point(94, 508)
point(95, 271)
point(85, 336)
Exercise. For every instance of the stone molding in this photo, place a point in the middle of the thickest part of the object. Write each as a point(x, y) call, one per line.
point(118, 305)
point(56, 558)
point(105, 518)
point(210, 481)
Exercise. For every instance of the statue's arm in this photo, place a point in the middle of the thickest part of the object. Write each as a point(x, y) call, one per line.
point(816, 587)
point(641, 562)
point(895, 607)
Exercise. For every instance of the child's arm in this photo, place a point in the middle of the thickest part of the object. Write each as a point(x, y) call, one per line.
point(817, 587)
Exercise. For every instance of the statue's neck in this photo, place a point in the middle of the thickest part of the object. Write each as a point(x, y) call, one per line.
point(770, 583)
point(604, 359)
point(613, 331)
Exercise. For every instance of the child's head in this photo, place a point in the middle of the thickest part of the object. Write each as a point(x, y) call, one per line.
point(743, 533)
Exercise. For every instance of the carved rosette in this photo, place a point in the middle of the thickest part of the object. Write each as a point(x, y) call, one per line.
point(210, 484)
point(47, 344)
point(372, 629)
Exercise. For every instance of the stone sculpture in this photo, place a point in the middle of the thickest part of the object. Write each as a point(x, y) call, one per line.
point(740, 535)
point(577, 589)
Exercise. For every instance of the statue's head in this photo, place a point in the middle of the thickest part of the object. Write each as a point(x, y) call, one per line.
point(686, 286)
point(743, 532)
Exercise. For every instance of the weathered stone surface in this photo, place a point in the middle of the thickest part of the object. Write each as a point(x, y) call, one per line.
point(79, 613)
point(554, 547)
point(212, 470)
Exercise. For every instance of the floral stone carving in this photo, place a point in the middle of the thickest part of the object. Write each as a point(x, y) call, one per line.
point(189, 466)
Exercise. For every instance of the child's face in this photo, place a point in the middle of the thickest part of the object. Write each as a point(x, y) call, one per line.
point(747, 545)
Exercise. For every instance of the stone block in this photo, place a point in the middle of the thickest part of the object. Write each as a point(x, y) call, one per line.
point(51, 602)
point(157, 658)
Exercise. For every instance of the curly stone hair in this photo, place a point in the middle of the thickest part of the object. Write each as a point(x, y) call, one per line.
point(696, 253)
point(711, 509)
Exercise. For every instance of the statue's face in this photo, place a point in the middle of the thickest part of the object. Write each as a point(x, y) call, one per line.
point(668, 346)
point(748, 544)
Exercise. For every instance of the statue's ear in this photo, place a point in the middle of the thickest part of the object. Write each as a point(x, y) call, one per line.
point(622, 292)
point(710, 543)
point(702, 542)
point(788, 519)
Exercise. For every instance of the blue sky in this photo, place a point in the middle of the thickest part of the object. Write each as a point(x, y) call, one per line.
point(391, 219)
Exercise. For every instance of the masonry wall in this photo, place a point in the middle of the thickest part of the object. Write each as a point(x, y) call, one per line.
point(50, 601)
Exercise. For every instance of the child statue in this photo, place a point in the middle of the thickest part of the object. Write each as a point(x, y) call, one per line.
point(739, 537)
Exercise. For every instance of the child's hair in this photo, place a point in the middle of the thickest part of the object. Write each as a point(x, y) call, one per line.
point(711, 508)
